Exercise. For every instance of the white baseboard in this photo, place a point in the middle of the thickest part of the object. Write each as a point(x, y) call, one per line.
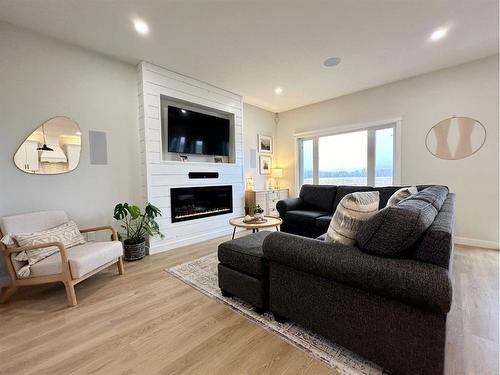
point(477, 243)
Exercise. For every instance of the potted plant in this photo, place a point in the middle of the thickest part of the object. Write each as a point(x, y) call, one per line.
point(258, 212)
point(137, 226)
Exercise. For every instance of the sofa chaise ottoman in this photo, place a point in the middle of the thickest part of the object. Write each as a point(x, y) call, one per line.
point(243, 270)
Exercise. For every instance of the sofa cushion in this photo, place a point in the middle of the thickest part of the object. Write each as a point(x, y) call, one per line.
point(343, 190)
point(420, 284)
point(352, 210)
point(401, 194)
point(83, 259)
point(396, 228)
point(385, 193)
point(318, 197)
point(245, 254)
point(304, 216)
point(323, 222)
point(436, 245)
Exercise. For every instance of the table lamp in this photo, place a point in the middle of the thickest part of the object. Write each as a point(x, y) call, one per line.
point(249, 183)
point(277, 173)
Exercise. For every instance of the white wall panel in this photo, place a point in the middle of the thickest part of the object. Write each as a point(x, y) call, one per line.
point(161, 175)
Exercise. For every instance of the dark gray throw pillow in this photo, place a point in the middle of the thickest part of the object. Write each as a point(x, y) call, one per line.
point(396, 228)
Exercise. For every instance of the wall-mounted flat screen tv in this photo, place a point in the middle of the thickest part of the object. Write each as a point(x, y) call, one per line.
point(191, 132)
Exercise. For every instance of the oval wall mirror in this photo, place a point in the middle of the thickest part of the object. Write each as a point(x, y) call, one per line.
point(51, 149)
point(455, 138)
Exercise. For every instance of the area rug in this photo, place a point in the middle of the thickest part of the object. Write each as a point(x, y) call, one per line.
point(201, 274)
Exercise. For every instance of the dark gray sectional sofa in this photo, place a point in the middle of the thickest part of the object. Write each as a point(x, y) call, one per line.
point(386, 298)
point(310, 214)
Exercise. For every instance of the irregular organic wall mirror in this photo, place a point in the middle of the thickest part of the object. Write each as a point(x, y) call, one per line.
point(52, 148)
point(455, 138)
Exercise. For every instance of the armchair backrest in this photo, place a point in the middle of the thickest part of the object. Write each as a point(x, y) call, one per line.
point(32, 222)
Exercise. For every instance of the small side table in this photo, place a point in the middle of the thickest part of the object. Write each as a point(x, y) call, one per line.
point(237, 222)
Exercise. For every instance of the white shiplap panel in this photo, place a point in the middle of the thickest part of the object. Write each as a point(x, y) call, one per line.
point(207, 102)
point(164, 191)
point(159, 176)
point(177, 180)
point(191, 89)
point(168, 74)
point(167, 168)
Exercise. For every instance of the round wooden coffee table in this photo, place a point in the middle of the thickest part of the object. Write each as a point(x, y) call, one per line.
point(237, 222)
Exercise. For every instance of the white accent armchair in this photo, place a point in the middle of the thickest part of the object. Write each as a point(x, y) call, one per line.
point(69, 266)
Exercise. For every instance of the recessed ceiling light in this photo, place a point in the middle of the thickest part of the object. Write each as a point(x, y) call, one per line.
point(438, 34)
point(278, 90)
point(183, 110)
point(78, 133)
point(141, 27)
point(332, 61)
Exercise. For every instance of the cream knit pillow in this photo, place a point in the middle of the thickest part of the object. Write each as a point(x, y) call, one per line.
point(66, 233)
point(352, 210)
point(401, 194)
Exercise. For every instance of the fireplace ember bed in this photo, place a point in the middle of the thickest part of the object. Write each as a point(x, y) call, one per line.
point(191, 203)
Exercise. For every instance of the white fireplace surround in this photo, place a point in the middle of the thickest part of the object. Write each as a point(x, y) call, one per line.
point(159, 175)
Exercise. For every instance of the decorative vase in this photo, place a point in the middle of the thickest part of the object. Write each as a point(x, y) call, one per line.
point(134, 250)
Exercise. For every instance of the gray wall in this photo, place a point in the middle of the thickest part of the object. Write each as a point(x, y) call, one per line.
point(41, 78)
point(257, 121)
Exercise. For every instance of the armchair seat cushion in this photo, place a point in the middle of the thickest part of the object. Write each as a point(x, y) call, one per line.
point(83, 259)
point(303, 216)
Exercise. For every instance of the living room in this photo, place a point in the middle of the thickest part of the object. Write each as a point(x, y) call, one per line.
point(249, 187)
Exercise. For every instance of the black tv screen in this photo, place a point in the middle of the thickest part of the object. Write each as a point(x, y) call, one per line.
point(191, 132)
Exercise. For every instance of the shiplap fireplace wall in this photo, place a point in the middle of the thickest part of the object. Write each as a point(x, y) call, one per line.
point(159, 175)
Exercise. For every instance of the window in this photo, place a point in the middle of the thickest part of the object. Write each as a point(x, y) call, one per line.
point(362, 156)
point(342, 159)
point(306, 161)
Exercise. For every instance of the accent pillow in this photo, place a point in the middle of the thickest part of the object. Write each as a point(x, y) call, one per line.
point(401, 194)
point(9, 241)
point(394, 229)
point(67, 233)
point(351, 211)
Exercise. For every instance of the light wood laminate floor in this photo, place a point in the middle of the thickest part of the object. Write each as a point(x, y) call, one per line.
point(148, 322)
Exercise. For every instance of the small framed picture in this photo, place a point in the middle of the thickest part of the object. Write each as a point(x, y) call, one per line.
point(218, 159)
point(265, 164)
point(265, 144)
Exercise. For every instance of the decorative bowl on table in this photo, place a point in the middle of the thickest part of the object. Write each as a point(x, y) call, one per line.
point(258, 216)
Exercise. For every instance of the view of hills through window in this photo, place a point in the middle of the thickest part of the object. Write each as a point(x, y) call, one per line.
point(343, 158)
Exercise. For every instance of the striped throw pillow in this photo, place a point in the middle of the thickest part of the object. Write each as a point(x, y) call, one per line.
point(352, 210)
point(401, 194)
point(67, 233)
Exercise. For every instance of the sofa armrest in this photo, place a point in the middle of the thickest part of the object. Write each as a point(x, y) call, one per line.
point(288, 205)
point(420, 284)
point(114, 235)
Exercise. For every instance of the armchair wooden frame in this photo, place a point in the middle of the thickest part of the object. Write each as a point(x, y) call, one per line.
point(64, 277)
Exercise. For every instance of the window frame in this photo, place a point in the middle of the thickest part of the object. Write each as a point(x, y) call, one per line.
point(371, 128)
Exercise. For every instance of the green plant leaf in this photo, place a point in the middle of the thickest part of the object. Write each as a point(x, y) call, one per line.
point(120, 211)
point(134, 211)
point(152, 211)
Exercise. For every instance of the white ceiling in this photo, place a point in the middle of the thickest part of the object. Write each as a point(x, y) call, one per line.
point(251, 47)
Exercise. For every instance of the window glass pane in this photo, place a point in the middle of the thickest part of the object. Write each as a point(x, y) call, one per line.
point(343, 159)
point(384, 156)
point(306, 162)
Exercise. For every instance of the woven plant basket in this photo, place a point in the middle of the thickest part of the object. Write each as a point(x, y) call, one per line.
point(134, 251)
